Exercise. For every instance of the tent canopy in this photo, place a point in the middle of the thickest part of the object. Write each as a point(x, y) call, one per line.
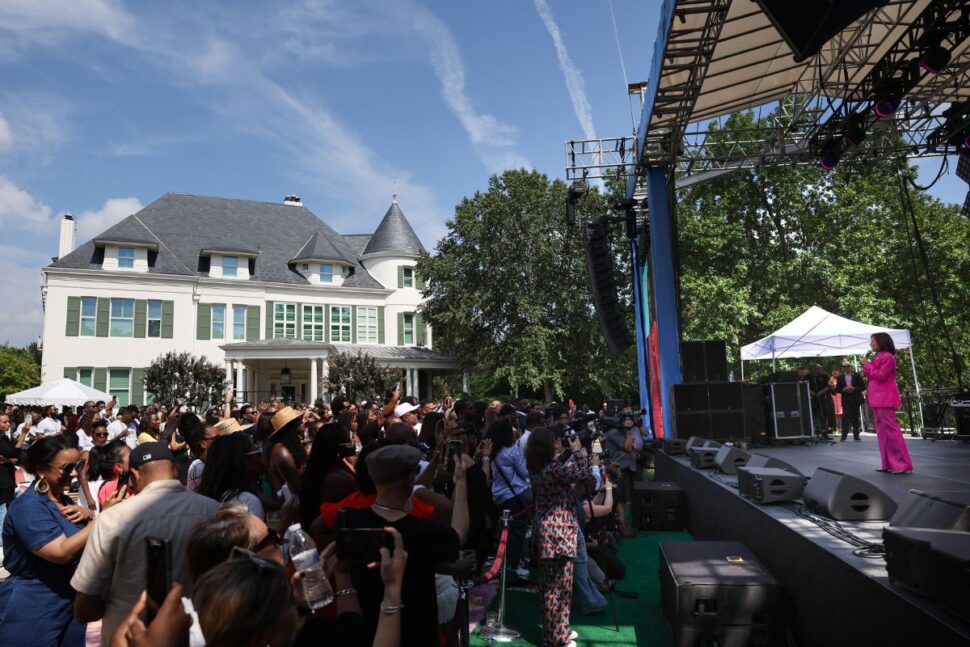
point(64, 392)
point(819, 333)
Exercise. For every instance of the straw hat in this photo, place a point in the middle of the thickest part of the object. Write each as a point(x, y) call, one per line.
point(283, 417)
point(226, 427)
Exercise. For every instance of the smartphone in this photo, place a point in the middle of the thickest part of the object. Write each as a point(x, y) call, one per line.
point(362, 545)
point(454, 450)
point(158, 575)
point(123, 479)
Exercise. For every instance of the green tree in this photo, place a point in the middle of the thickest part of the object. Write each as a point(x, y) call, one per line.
point(19, 370)
point(358, 377)
point(509, 295)
point(185, 380)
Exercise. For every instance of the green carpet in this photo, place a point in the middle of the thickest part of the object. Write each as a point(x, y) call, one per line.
point(639, 620)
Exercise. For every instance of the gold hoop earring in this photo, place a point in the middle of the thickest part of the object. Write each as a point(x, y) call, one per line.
point(42, 486)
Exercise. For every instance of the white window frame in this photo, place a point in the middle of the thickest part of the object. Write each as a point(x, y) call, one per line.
point(239, 320)
point(126, 262)
point(367, 324)
point(234, 266)
point(149, 319)
point(328, 275)
point(93, 317)
point(122, 401)
point(220, 308)
point(407, 277)
point(285, 322)
point(314, 330)
point(408, 320)
point(112, 318)
point(341, 331)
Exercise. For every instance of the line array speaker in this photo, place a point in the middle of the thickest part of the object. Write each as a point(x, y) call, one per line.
point(702, 457)
point(769, 484)
point(806, 26)
point(599, 260)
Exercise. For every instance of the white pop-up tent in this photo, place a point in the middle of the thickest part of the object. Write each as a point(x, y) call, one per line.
point(819, 333)
point(63, 392)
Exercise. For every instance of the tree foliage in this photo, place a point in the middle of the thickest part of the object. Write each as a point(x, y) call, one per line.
point(758, 247)
point(185, 380)
point(358, 377)
point(19, 369)
point(509, 295)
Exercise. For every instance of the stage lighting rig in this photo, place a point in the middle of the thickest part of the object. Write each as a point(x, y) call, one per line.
point(830, 153)
point(934, 56)
point(575, 191)
point(855, 129)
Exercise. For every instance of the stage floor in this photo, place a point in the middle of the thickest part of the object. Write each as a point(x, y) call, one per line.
point(716, 511)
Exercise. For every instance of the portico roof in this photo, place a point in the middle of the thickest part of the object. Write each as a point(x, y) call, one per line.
point(412, 356)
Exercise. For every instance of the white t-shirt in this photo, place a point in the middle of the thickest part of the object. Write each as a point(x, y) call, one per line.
point(194, 475)
point(251, 501)
point(49, 427)
point(118, 426)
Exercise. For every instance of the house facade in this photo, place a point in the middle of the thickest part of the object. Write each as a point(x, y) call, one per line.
point(267, 289)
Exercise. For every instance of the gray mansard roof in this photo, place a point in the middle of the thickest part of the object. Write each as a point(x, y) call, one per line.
point(394, 235)
point(177, 227)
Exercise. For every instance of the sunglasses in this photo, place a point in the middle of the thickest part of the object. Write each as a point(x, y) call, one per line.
point(272, 538)
point(238, 552)
point(68, 468)
point(104, 435)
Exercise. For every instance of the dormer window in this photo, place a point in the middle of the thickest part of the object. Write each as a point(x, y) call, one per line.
point(126, 258)
point(407, 277)
point(326, 272)
point(230, 265)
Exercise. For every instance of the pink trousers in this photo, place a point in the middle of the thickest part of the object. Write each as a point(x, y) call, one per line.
point(892, 447)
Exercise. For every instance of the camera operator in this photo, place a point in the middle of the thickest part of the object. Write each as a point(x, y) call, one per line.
point(623, 446)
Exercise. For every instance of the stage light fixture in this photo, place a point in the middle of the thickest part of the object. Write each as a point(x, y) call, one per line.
point(934, 57)
point(830, 153)
point(575, 191)
point(855, 129)
point(885, 104)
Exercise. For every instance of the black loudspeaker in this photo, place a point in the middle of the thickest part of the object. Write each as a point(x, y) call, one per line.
point(806, 26)
point(726, 396)
point(729, 458)
point(769, 484)
point(658, 505)
point(909, 555)
point(674, 446)
point(599, 259)
point(714, 592)
point(703, 361)
point(693, 423)
point(760, 460)
point(844, 497)
point(961, 412)
point(702, 457)
point(699, 441)
point(791, 408)
point(728, 425)
point(943, 510)
point(753, 402)
point(951, 573)
point(691, 397)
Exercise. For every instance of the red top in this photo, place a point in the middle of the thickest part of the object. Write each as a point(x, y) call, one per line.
point(359, 501)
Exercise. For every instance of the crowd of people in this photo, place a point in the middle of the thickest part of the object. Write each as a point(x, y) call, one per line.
point(86, 493)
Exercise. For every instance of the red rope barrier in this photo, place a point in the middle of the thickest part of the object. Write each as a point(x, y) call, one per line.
point(499, 558)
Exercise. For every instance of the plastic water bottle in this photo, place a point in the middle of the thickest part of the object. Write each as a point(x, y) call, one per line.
point(306, 560)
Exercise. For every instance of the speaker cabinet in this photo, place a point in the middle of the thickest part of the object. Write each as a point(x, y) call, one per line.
point(694, 423)
point(961, 413)
point(806, 26)
point(729, 458)
point(769, 484)
point(704, 361)
point(674, 446)
point(697, 441)
point(951, 573)
point(691, 397)
point(702, 457)
point(726, 396)
point(659, 505)
point(761, 460)
point(714, 592)
point(943, 510)
point(727, 425)
point(791, 408)
point(930, 562)
point(599, 260)
point(844, 497)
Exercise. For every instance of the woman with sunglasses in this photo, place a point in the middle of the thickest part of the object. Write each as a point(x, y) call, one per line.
point(90, 480)
point(43, 537)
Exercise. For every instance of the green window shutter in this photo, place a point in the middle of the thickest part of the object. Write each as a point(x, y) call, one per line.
point(204, 321)
point(104, 314)
point(298, 333)
point(252, 323)
point(400, 329)
point(419, 329)
point(380, 324)
point(70, 372)
point(138, 386)
point(353, 324)
point(101, 379)
point(141, 318)
point(326, 323)
point(73, 316)
point(269, 319)
point(168, 316)
point(400, 276)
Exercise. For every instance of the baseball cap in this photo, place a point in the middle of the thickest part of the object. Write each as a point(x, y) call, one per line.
point(148, 452)
point(404, 408)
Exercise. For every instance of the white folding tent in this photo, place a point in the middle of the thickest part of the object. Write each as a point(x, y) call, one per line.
point(819, 333)
point(63, 392)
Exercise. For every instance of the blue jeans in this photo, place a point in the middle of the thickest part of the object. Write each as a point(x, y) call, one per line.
point(588, 597)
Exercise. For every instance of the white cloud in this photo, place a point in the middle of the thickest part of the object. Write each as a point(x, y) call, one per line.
point(92, 223)
point(574, 78)
point(6, 137)
point(20, 209)
point(47, 21)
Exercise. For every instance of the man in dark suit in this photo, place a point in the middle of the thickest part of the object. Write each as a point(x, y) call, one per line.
point(851, 385)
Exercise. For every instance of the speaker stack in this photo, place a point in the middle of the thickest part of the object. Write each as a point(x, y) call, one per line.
point(791, 411)
point(599, 259)
point(928, 547)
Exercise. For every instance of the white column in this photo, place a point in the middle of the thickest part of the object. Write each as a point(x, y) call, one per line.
point(413, 390)
point(314, 384)
point(240, 386)
point(324, 372)
point(229, 369)
point(464, 382)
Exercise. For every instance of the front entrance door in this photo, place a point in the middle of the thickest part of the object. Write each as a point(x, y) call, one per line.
point(289, 393)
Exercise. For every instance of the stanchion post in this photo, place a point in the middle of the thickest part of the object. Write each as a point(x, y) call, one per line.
point(501, 633)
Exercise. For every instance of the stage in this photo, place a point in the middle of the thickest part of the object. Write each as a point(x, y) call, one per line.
point(835, 596)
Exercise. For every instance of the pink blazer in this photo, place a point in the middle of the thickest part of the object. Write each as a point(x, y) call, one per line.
point(881, 372)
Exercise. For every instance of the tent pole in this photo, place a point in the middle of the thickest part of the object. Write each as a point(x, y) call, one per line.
point(919, 400)
point(742, 370)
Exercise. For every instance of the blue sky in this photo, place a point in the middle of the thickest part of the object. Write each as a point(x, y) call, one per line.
point(106, 105)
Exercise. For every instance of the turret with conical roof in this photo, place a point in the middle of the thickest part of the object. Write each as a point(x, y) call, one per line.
point(394, 236)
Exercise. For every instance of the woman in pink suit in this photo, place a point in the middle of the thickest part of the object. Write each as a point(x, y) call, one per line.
point(883, 396)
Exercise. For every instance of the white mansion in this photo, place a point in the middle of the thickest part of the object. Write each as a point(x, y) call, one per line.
point(268, 289)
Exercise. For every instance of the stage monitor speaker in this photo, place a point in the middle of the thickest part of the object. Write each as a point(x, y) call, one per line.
point(729, 458)
point(599, 259)
point(714, 592)
point(728, 426)
point(807, 25)
point(951, 573)
point(659, 505)
point(940, 509)
point(769, 484)
point(703, 361)
point(761, 460)
point(791, 407)
point(691, 397)
point(844, 497)
point(702, 457)
point(698, 441)
point(674, 446)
